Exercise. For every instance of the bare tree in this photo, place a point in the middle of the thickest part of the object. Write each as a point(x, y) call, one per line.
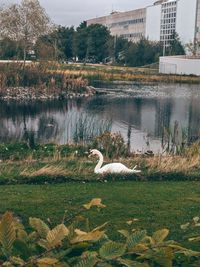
point(24, 23)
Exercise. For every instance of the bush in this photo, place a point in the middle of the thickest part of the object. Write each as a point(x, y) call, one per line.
point(68, 245)
point(112, 145)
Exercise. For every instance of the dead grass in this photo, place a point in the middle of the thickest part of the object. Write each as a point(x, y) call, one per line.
point(174, 163)
point(48, 170)
point(108, 73)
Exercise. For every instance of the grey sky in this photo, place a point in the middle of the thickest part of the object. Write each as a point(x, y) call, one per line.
point(68, 13)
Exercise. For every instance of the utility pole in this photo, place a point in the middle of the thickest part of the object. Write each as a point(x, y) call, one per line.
point(196, 29)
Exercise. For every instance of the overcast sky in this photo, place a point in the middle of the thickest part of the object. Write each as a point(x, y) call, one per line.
point(72, 12)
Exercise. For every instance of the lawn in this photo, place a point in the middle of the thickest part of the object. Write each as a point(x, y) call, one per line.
point(156, 204)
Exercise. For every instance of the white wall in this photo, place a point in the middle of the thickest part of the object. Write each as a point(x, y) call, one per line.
point(153, 19)
point(185, 22)
point(179, 65)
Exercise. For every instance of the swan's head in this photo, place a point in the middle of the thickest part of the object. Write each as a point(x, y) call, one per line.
point(94, 152)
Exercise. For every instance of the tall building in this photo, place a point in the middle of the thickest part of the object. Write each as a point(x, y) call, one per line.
point(129, 25)
point(157, 22)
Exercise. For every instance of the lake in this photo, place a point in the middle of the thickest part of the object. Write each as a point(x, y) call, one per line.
point(143, 114)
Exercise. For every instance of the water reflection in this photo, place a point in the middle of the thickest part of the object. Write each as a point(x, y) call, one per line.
point(139, 113)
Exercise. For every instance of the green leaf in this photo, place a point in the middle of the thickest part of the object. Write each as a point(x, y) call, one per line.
point(135, 239)
point(112, 250)
point(40, 226)
point(7, 233)
point(130, 263)
point(21, 249)
point(87, 262)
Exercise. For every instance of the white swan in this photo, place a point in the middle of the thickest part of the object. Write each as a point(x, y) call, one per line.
point(111, 167)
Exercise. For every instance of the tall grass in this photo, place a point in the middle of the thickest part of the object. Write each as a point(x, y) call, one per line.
point(40, 77)
point(88, 127)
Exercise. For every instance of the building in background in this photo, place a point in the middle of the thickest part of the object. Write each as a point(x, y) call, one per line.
point(158, 22)
point(130, 25)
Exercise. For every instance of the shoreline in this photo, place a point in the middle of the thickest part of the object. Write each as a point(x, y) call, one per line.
point(31, 93)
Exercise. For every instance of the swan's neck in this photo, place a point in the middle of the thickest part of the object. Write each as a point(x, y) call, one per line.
point(99, 164)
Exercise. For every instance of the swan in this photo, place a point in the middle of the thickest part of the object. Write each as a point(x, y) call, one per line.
point(111, 167)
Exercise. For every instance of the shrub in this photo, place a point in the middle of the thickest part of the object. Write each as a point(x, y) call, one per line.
point(68, 245)
point(112, 145)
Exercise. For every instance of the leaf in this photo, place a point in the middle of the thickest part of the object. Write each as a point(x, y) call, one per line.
point(20, 248)
point(40, 226)
point(194, 239)
point(104, 264)
point(43, 243)
point(125, 233)
point(135, 239)
point(185, 226)
point(56, 235)
point(7, 233)
point(140, 248)
point(164, 257)
point(196, 220)
point(90, 236)
point(45, 262)
point(87, 262)
point(18, 261)
point(112, 250)
point(130, 263)
point(7, 264)
point(22, 234)
point(100, 227)
point(160, 235)
point(94, 202)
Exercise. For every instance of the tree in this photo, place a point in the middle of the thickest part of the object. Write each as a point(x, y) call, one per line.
point(176, 47)
point(143, 53)
point(97, 42)
point(80, 44)
point(24, 23)
point(65, 38)
point(10, 49)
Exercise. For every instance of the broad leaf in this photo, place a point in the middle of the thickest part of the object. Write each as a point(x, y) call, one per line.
point(164, 257)
point(160, 235)
point(56, 235)
point(83, 236)
point(87, 262)
point(135, 239)
point(112, 250)
point(130, 263)
point(18, 261)
point(125, 233)
point(40, 226)
point(45, 262)
point(7, 233)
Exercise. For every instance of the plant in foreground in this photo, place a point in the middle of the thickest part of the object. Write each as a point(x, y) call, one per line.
point(68, 245)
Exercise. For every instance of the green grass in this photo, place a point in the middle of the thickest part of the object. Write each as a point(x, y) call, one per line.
point(157, 205)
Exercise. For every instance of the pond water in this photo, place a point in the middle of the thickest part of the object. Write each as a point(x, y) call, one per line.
point(141, 113)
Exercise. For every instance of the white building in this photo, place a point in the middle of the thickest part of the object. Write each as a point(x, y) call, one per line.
point(158, 22)
point(181, 65)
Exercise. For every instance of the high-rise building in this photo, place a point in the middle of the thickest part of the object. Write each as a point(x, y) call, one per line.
point(157, 22)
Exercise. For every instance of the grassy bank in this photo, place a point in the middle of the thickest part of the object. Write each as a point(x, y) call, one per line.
point(117, 73)
point(59, 164)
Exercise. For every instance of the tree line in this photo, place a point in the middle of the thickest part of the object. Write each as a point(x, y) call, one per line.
point(27, 32)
